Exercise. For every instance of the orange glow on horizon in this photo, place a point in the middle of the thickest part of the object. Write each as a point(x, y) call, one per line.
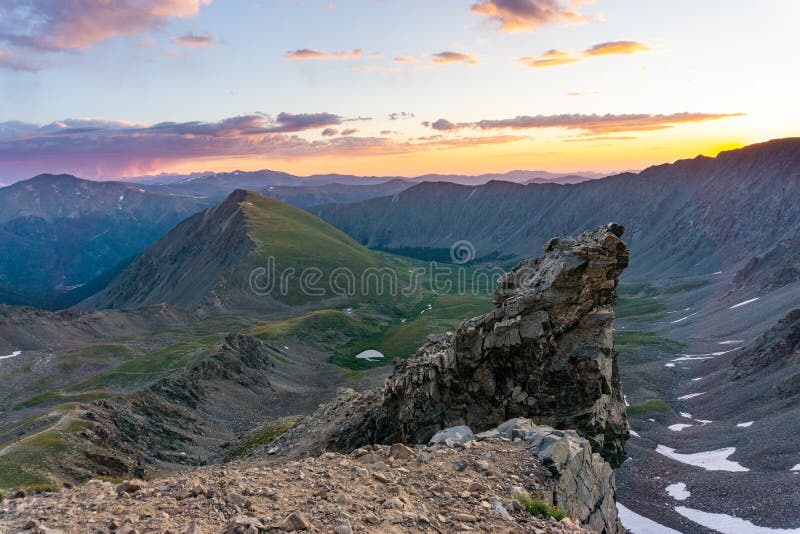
point(596, 155)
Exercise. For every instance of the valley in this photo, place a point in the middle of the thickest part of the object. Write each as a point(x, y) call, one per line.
point(179, 358)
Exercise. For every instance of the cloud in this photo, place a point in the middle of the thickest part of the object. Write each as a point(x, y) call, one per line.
point(329, 132)
point(10, 60)
point(192, 40)
point(305, 54)
point(400, 115)
point(554, 58)
point(453, 57)
point(590, 124)
point(109, 149)
point(527, 15)
point(444, 125)
point(71, 25)
point(405, 59)
point(616, 47)
point(551, 58)
point(289, 122)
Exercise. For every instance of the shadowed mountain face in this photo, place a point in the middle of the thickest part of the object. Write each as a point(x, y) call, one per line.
point(59, 232)
point(209, 258)
point(693, 217)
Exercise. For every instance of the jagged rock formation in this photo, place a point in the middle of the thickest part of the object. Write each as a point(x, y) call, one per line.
point(545, 352)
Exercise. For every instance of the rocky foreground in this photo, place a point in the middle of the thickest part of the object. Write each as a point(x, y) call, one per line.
point(503, 480)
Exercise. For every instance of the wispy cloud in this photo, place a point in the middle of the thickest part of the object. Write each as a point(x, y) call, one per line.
point(555, 58)
point(453, 57)
point(329, 132)
point(551, 58)
point(590, 124)
point(616, 47)
point(400, 115)
point(10, 60)
point(405, 59)
point(527, 15)
point(193, 40)
point(69, 25)
point(305, 54)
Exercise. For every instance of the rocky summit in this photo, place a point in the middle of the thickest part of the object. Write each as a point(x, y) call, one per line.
point(544, 352)
point(516, 478)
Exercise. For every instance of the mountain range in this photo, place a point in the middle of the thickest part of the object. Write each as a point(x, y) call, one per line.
point(168, 352)
point(691, 217)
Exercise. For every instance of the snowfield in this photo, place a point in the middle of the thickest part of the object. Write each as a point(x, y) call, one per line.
point(641, 525)
point(727, 524)
point(710, 460)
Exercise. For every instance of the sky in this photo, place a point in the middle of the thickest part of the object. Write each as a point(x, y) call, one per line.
point(110, 89)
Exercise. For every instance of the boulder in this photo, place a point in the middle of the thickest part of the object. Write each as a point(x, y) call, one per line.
point(450, 436)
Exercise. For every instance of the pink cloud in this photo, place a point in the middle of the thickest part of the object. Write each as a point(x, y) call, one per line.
point(453, 57)
point(192, 40)
point(526, 15)
point(616, 47)
point(10, 60)
point(305, 54)
point(111, 149)
point(591, 124)
point(69, 25)
point(551, 58)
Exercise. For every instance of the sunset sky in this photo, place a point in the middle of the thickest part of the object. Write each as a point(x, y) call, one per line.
point(107, 89)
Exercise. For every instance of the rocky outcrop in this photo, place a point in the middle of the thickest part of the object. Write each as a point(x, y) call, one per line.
point(582, 485)
point(545, 352)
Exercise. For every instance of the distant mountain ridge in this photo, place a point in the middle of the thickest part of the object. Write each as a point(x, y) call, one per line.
point(58, 232)
point(692, 217)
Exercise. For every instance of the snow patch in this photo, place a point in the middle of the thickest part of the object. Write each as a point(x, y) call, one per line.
point(634, 433)
point(370, 355)
point(686, 415)
point(683, 318)
point(745, 425)
point(728, 524)
point(745, 303)
point(709, 460)
point(692, 358)
point(678, 491)
point(704, 422)
point(12, 355)
point(795, 468)
point(697, 379)
point(731, 342)
point(669, 365)
point(625, 398)
point(690, 396)
point(678, 427)
point(639, 524)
